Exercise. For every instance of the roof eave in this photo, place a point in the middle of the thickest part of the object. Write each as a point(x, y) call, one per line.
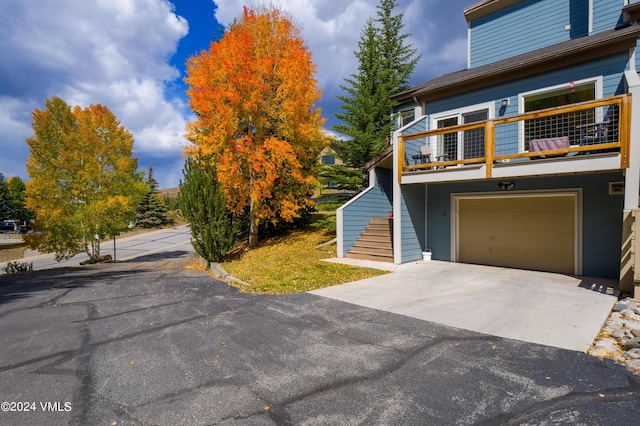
point(485, 7)
point(531, 63)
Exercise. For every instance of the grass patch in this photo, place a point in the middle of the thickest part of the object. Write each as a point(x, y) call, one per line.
point(292, 264)
point(10, 252)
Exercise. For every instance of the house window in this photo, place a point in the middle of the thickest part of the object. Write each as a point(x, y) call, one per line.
point(406, 116)
point(473, 143)
point(562, 124)
point(461, 145)
point(328, 159)
point(447, 143)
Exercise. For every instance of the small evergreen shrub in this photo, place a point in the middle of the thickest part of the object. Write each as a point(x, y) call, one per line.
point(18, 267)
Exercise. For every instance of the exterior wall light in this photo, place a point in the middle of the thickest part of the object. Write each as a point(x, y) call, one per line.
point(506, 185)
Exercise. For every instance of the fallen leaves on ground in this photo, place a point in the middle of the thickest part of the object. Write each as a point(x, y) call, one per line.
point(292, 264)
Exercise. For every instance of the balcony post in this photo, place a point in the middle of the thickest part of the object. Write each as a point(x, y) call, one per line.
point(624, 133)
point(489, 147)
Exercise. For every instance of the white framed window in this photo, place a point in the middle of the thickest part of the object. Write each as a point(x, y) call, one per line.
point(461, 145)
point(555, 96)
point(405, 116)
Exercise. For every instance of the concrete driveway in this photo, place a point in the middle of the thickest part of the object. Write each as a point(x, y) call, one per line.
point(538, 307)
point(148, 342)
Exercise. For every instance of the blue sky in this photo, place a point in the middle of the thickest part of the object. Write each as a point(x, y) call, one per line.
point(129, 55)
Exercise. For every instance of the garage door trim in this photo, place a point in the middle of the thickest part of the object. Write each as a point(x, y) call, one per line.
point(576, 193)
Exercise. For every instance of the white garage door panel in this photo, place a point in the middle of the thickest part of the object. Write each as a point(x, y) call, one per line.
point(522, 232)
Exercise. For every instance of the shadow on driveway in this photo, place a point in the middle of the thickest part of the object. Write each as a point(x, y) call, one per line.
point(144, 343)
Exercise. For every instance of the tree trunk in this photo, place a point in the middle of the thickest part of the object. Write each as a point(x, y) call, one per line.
point(253, 226)
point(93, 249)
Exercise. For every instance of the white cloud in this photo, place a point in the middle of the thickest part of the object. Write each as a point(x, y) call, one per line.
point(332, 29)
point(112, 52)
point(116, 53)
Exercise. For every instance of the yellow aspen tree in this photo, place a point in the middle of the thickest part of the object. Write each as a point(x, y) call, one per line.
point(84, 183)
point(254, 94)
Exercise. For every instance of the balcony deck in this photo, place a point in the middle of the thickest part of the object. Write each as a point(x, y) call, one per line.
point(589, 136)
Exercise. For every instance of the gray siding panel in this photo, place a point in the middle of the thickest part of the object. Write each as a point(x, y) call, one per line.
point(601, 220)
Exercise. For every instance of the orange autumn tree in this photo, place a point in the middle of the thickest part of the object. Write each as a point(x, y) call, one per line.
point(254, 93)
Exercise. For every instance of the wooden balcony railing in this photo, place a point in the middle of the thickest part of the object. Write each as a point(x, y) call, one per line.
point(579, 129)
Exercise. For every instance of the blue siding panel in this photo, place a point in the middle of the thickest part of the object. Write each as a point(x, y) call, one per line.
point(374, 202)
point(523, 27)
point(607, 14)
point(412, 147)
point(601, 217)
point(439, 221)
point(413, 222)
point(579, 18)
point(534, 24)
point(611, 67)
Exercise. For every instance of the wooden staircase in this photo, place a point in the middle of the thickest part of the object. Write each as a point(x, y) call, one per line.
point(376, 242)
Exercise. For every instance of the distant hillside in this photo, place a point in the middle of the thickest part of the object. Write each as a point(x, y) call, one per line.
point(169, 193)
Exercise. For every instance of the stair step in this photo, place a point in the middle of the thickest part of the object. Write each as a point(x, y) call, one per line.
point(384, 226)
point(380, 239)
point(376, 242)
point(378, 232)
point(372, 251)
point(387, 245)
point(370, 257)
point(381, 221)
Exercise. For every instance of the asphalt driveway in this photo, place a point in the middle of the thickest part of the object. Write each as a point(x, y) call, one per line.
point(147, 342)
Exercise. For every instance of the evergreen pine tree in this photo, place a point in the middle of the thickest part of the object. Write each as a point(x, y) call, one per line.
point(399, 58)
point(152, 211)
point(17, 189)
point(203, 204)
point(6, 210)
point(367, 106)
point(386, 63)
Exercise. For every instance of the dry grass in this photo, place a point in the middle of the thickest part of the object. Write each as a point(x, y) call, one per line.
point(9, 252)
point(292, 264)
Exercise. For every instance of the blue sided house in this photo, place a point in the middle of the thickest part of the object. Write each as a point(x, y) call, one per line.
point(528, 158)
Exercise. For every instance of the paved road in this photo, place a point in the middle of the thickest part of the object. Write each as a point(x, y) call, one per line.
point(148, 342)
point(125, 248)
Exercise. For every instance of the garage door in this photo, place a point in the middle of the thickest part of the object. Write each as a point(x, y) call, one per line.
point(529, 232)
